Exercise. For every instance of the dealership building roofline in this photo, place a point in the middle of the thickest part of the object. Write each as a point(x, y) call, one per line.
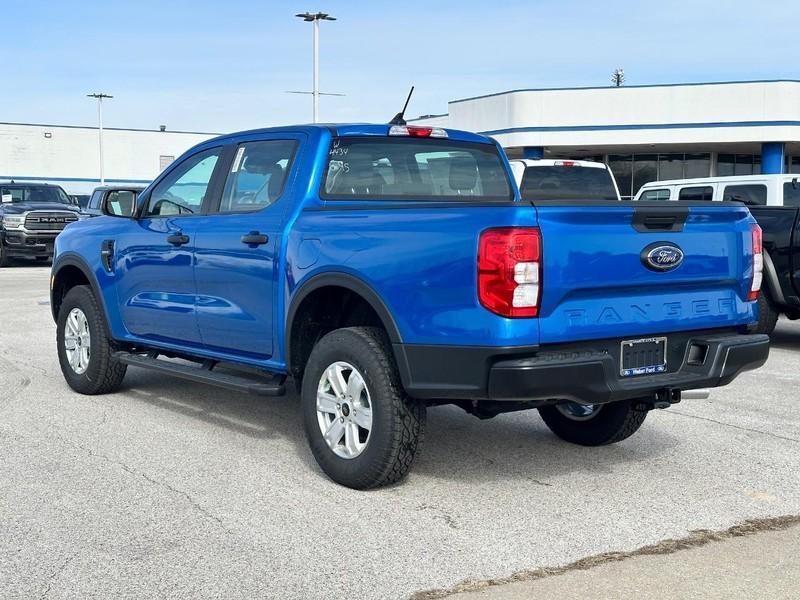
point(645, 132)
point(95, 128)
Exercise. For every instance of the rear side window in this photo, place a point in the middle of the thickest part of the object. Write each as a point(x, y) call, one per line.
point(410, 169)
point(705, 192)
point(659, 195)
point(257, 175)
point(749, 194)
point(567, 183)
point(791, 193)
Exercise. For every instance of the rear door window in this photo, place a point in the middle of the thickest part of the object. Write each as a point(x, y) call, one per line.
point(257, 175)
point(697, 193)
point(412, 169)
point(754, 194)
point(567, 183)
point(655, 195)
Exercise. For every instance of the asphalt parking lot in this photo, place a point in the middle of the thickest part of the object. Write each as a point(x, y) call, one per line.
point(170, 489)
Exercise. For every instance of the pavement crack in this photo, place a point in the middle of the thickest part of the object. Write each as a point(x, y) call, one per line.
point(739, 427)
point(192, 502)
point(695, 539)
point(54, 575)
point(440, 513)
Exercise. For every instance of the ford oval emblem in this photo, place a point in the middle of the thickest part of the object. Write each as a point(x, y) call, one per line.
point(662, 256)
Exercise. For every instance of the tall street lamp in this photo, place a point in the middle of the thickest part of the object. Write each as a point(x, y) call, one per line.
point(99, 96)
point(315, 18)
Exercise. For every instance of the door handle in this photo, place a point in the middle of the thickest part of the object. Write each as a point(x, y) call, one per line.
point(178, 239)
point(254, 238)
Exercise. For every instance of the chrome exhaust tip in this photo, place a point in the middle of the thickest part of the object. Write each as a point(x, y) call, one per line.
point(701, 394)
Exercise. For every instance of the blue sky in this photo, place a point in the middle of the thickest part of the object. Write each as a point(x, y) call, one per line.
point(225, 65)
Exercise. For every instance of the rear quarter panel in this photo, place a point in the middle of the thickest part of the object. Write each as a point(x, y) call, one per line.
point(421, 261)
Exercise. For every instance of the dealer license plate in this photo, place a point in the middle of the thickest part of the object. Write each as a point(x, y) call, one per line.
point(646, 356)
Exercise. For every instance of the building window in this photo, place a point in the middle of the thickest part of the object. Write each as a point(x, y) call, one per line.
point(697, 165)
point(622, 168)
point(793, 164)
point(633, 171)
point(670, 166)
point(738, 164)
point(164, 161)
point(645, 170)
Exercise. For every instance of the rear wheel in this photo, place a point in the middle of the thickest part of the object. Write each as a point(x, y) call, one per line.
point(84, 345)
point(594, 424)
point(767, 315)
point(363, 430)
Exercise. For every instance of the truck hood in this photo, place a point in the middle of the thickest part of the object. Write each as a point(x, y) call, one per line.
point(16, 208)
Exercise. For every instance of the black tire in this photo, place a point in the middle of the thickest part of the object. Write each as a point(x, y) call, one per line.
point(103, 374)
point(4, 261)
point(613, 423)
point(398, 422)
point(767, 315)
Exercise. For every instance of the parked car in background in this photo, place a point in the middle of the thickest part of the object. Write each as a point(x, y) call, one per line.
point(545, 179)
point(391, 268)
point(774, 201)
point(31, 216)
point(124, 196)
point(80, 200)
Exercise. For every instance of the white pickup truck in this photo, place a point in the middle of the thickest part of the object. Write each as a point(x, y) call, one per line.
point(546, 179)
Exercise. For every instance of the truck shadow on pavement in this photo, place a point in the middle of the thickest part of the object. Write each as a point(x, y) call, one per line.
point(787, 338)
point(457, 446)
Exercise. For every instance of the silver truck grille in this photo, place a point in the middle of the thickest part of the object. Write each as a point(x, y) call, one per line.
point(48, 221)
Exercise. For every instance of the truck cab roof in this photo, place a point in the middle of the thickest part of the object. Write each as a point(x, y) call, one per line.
point(353, 130)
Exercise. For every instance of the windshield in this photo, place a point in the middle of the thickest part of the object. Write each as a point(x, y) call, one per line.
point(413, 169)
point(23, 193)
point(567, 183)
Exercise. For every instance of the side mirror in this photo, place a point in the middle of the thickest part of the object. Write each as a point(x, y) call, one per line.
point(120, 203)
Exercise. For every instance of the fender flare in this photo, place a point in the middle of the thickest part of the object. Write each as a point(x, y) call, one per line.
point(74, 260)
point(343, 280)
point(772, 280)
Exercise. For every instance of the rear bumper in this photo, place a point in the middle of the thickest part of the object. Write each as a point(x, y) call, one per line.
point(22, 243)
point(586, 372)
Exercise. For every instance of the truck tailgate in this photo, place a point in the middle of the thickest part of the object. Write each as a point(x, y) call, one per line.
point(597, 282)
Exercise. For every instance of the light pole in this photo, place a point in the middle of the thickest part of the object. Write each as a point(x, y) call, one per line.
point(99, 96)
point(315, 18)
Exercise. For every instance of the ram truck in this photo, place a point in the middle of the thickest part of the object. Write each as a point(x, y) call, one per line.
point(31, 216)
point(386, 269)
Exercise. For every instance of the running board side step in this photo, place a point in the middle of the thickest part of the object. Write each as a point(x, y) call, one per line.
point(203, 374)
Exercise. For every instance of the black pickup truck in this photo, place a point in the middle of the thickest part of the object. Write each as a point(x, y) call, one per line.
point(780, 225)
point(31, 216)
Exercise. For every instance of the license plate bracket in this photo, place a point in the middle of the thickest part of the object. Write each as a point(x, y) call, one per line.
point(644, 356)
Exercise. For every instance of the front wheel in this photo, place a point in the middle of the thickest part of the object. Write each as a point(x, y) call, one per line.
point(594, 424)
point(363, 430)
point(84, 345)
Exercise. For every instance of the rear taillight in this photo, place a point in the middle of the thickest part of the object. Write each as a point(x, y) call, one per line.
point(758, 263)
point(510, 271)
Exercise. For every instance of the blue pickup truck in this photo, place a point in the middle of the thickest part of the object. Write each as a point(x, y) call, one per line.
point(390, 268)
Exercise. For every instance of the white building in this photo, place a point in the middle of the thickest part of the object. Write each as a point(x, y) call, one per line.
point(69, 156)
point(645, 133)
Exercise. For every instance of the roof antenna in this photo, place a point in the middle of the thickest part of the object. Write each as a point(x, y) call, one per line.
point(399, 117)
